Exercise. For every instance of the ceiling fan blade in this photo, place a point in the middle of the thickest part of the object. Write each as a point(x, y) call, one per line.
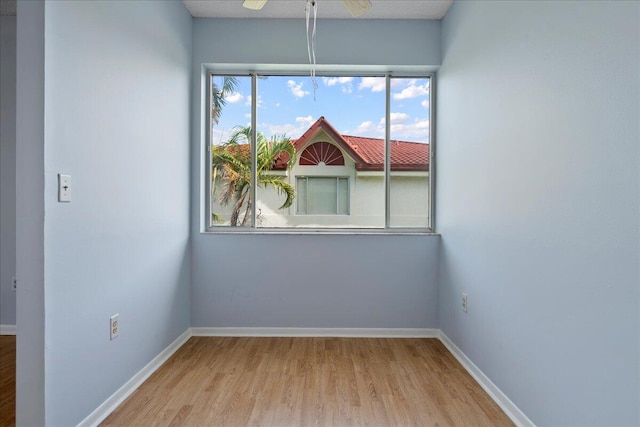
point(357, 7)
point(254, 4)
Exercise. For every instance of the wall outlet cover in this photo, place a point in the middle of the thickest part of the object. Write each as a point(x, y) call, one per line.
point(114, 326)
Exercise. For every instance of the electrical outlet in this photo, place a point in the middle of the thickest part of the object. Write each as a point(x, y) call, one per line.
point(115, 327)
point(464, 302)
point(14, 284)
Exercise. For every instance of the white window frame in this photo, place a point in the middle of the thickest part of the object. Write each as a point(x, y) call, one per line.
point(208, 73)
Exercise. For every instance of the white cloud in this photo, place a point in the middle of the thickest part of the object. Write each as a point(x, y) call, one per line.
point(417, 130)
point(425, 103)
point(397, 83)
point(376, 84)
point(291, 130)
point(248, 103)
point(412, 91)
point(422, 124)
point(306, 121)
point(345, 83)
point(331, 81)
point(218, 136)
point(296, 89)
point(234, 98)
point(398, 117)
point(366, 128)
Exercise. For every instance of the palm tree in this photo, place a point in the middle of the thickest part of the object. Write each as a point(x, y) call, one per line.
point(231, 171)
point(218, 94)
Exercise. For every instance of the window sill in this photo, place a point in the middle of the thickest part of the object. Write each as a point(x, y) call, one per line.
point(315, 231)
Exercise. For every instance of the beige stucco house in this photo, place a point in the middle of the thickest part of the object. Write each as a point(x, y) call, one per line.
point(339, 182)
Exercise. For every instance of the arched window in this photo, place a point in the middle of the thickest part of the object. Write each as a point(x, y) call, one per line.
point(321, 153)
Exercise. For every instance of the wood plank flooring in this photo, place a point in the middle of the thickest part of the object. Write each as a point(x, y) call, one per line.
point(309, 382)
point(7, 380)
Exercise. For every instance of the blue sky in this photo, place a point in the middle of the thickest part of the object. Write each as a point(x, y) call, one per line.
point(353, 105)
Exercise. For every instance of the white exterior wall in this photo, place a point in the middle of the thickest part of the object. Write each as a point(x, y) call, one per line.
point(409, 199)
point(409, 194)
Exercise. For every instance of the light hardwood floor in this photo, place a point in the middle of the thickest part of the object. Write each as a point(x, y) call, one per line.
point(309, 382)
point(7, 380)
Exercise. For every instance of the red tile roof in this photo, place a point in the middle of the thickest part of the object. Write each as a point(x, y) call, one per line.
point(368, 153)
point(404, 155)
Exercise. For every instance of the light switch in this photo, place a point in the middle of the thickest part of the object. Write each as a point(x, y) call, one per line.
point(64, 188)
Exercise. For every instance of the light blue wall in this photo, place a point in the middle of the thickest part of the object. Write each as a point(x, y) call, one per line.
point(311, 281)
point(347, 281)
point(339, 41)
point(117, 91)
point(538, 203)
point(7, 168)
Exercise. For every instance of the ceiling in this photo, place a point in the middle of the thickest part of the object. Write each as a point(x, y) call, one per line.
point(381, 9)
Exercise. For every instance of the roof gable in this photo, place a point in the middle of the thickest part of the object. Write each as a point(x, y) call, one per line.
point(324, 125)
point(368, 153)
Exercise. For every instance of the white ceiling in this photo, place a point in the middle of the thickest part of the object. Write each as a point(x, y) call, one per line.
point(381, 9)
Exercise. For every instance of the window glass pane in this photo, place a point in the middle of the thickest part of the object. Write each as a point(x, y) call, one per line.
point(320, 153)
point(322, 196)
point(301, 197)
point(230, 150)
point(343, 196)
point(409, 193)
point(337, 138)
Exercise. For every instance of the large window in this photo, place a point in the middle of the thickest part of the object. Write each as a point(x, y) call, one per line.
point(348, 152)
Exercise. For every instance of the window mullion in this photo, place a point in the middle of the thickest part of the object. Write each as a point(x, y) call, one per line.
point(337, 195)
point(432, 152)
point(254, 149)
point(387, 153)
point(208, 220)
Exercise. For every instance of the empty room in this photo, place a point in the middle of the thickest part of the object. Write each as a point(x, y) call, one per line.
point(327, 212)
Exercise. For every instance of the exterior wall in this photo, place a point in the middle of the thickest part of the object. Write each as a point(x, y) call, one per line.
point(409, 200)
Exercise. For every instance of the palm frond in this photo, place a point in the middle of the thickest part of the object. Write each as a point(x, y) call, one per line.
point(278, 183)
point(218, 96)
point(277, 148)
point(216, 218)
point(222, 157)
point(231, 182)
point(231, 164)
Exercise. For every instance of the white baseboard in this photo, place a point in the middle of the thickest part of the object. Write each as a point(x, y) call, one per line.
point(513, 412)
point(7, 329)
point(102, 411)
point(317, 332)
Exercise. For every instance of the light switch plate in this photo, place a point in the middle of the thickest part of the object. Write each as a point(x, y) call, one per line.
point(64, 188)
